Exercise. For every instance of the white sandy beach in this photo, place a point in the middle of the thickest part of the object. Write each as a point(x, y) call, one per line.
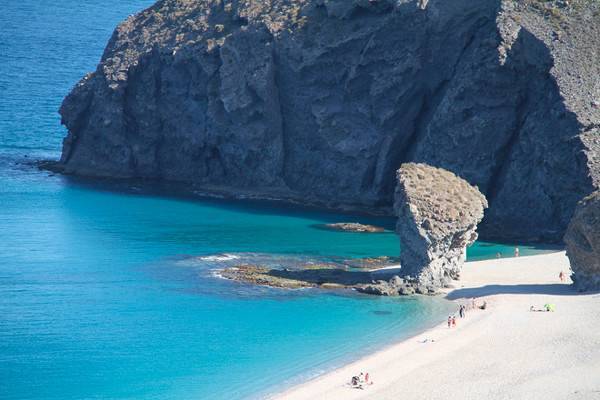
point(503, 352)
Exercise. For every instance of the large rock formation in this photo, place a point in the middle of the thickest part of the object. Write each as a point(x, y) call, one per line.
point(583, 243)
point(320, 101)
point(438, 214)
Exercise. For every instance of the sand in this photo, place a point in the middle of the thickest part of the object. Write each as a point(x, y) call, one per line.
point(503, 352)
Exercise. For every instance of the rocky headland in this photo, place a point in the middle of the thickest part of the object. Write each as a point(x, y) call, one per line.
point(583, 244)
point(438, 214)
point(321, 101)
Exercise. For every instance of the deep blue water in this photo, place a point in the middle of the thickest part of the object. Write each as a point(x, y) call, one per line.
point(98, 295)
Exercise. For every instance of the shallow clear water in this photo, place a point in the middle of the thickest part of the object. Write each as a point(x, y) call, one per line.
point(96, 297)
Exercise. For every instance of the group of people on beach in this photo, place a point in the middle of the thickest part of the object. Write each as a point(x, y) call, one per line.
point(451, 321)
point(358, 381)
point(462, 311)
point(548, 307)
point(499, 255)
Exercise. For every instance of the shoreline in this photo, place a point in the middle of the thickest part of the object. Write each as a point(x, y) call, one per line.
point(505, 351)
point(279, 198)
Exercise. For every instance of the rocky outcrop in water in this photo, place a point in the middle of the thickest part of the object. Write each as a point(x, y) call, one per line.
point(323, 277)
point(583, 244)
point(320, 101)
point(438, 214)
point(353, 227)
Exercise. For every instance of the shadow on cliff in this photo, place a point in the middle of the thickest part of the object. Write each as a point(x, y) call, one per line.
point(535, 149)
point(555, 289)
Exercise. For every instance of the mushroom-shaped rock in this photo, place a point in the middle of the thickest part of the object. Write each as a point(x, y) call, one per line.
point(438, 214)
point(583, 243)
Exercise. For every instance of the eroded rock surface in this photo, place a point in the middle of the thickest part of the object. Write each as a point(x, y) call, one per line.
point(320, 101)
point(583, 243)
point(438, 214)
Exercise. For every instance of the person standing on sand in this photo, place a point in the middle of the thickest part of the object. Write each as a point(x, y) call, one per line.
point(449, 321)
point(461, 311)
point(454, 322)
point(516, 252)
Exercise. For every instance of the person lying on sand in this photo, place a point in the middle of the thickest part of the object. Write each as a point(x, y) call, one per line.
point(546, 308)
point(355, 382)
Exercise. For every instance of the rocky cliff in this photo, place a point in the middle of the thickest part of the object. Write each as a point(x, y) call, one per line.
point(438, 214)
point(320, 101)
point(583, 243)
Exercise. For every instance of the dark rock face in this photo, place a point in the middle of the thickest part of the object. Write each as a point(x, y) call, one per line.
point(438, 214)
point(583, 243)
point(320, 101)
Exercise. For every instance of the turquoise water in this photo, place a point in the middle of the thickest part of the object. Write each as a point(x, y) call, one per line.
point(98, 298)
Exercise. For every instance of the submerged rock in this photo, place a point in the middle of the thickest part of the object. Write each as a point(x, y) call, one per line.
point(259, 275)
point(317, 275)
point(354, 227)
point(583, 243)
point(320, 101)
point(438, 214)
point(372, 262)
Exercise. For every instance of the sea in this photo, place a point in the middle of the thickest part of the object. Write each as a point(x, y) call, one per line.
point(109, 291)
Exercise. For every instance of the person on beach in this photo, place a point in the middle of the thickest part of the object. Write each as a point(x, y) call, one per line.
point(449, 321)
point(461, 311)
point(516, 252)
point(355, 381)
point(454, 322)
point(367, 381)
point(561, 276)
